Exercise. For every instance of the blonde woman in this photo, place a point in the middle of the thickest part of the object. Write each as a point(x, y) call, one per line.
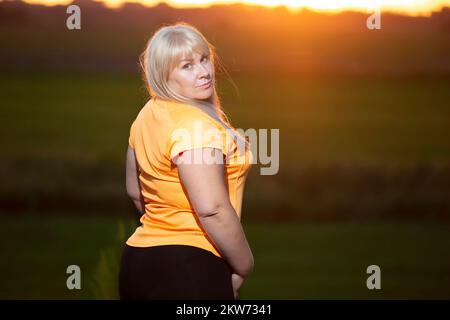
point(190, 244)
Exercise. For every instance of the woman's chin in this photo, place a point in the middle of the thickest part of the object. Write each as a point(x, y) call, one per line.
point(204, 96)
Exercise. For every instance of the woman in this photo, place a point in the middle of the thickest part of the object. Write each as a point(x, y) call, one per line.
point(191, 244)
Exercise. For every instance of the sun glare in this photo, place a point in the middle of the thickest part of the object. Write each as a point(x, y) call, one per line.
point(411, 7)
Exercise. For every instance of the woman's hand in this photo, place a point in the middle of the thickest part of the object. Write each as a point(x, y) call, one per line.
point(237, 282)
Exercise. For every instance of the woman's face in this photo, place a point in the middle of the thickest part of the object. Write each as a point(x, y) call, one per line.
point(193, 78)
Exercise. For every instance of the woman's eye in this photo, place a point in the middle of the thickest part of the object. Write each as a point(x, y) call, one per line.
point(186, 66)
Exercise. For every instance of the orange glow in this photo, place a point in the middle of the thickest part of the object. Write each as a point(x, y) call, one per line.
point(411, 7)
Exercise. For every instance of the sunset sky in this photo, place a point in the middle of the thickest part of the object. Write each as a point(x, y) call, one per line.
point(412, 7)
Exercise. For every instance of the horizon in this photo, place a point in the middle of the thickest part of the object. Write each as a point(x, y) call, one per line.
point(402, 7)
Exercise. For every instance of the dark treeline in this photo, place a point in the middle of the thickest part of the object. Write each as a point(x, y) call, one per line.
point(35, 37)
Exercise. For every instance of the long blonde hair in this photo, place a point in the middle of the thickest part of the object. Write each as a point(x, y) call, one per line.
point(168, 45)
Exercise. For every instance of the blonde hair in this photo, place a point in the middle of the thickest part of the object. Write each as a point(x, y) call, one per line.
point(168, 45)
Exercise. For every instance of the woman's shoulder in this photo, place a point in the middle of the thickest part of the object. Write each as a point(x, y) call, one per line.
point(165, 111)
point(144, 109)
point(184, 114)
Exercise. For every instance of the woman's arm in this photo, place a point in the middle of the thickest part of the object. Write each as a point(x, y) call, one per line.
point(207, 191)
point(132, 181)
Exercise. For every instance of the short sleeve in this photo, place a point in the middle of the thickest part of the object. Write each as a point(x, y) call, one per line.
point(195, 132)
point(131, 136)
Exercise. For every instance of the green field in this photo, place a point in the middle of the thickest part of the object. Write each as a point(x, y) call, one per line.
point(349, 146)
point(321, 120)
point(350, 149)
point(292, 261)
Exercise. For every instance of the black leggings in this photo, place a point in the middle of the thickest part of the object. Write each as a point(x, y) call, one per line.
point(176, 272)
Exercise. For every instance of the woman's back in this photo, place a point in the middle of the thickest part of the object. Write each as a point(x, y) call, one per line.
point(162, 130)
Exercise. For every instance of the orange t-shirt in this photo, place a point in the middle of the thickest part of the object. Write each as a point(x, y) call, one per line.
point(156, 135)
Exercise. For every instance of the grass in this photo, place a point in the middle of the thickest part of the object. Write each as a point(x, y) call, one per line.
point(292, 261)
point(359, 146)
point(321, 120)
point(67, 136)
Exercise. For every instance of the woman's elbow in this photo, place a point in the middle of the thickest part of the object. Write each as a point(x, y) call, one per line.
point(210, 209)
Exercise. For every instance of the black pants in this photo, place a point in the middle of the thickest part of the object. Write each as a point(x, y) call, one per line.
point(173, 272)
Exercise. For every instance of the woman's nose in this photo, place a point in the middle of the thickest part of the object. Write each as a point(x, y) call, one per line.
point(203, 71)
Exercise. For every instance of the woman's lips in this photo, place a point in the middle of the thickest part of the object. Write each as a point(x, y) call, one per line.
point(206, 85)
